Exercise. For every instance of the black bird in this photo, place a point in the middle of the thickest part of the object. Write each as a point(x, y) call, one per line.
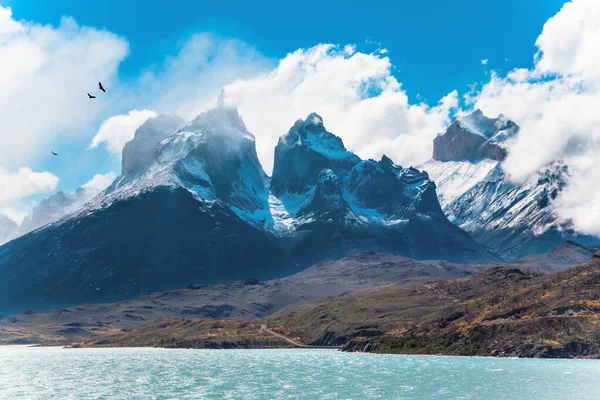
point(101, 87)
point(53, 153)
point(91, 97)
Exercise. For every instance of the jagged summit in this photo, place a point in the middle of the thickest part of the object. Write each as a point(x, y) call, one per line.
point(310, 133)
point(140, 152)
point(474, 137)
point(221, 120)
point(303, 152)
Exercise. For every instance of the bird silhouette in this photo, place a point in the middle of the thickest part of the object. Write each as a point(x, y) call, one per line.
point(101, 87)
point(91, 97)
point(53, 153)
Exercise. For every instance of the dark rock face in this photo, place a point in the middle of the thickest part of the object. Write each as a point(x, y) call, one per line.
point(303, 152)
point(597, 254)
point(222, 160)
point(140, 153)
point(119, 253)
point(474, 137)
point(371, 184)
point(457, 144)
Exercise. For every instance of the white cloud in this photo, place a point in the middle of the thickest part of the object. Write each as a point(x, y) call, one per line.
point(118, 130)
point(356, 95)
point(23, 183)
point(556, 103)
point(484, 61)
point(98, 183)
point(190, 81)
point(44, 76)
point(16, 186)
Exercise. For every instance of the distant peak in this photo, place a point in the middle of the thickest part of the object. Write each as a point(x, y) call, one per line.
point(221, 99)
point(314, 119)
point(160, 122)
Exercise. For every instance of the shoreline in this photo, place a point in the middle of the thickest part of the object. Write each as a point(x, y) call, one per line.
point(313, 348)
point(15, 346)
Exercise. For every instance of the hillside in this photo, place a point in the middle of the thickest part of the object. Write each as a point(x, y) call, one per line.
point(374, 311)
point(500, 312)
point(249, 299)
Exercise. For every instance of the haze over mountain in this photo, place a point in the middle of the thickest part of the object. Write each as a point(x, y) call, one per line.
point(8, 228)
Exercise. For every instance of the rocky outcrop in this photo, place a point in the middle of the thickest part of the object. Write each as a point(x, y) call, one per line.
point(474, 137)
point(140, 152)
point(302, 153)
point(514, 220)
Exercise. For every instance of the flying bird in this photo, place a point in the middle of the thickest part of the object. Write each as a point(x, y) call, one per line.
point(53, 153)
point(91, 97)
point(101, 87)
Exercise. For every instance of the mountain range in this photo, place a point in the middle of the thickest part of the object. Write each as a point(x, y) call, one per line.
point(193, 205)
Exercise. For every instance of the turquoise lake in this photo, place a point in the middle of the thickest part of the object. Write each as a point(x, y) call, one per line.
point(144, 373)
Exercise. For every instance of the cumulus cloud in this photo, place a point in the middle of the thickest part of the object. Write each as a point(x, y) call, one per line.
point(98, 183)
point(556, 103)
point(355, 93)
point(18, 185)
point(23, 183)
point(44, 77)
point(120, 129)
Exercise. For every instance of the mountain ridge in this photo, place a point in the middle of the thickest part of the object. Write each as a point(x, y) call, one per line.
point(172, 216)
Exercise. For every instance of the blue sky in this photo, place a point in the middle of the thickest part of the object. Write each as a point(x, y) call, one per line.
point(174, 56)
point(435, 45)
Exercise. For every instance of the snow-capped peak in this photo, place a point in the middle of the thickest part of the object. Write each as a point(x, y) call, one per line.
point(222, 120)
point(311, 133)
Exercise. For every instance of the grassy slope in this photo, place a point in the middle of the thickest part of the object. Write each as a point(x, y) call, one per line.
point(551, 316)
point(372, 312)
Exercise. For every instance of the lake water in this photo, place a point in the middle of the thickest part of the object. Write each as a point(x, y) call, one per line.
point(135, 373)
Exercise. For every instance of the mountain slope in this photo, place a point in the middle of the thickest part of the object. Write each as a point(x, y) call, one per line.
point(550, 316)
point(338, 204)
point(515, 220)
point(119, 253)
point(164, 227)
point(500, 312)
point(372, 312)
point(566, 255)
point(250, 298)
